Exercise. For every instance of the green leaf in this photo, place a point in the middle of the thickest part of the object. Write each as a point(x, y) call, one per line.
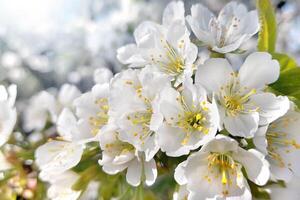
point(289, 84)
point(267, 34)
point(86, 177)
point(285, 61)
point(214, 54)
point(259, 192)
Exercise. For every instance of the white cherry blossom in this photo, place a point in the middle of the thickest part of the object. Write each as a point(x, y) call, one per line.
point(102, 75)
point(61, 187)
point(93, 107)
point(216, 171)
point(167, 46)
point(64, 152)
point(118, 156)
point(8, 114)
point(280, 142)
point(242, 102)
point(190, 119)
point(227, 32)
point(134, 107)
point(45, 106)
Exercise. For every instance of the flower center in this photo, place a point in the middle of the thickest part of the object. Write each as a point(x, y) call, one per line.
point(140, 117)
point(234, 97)
point(193, 119)
point(101, 117)
point(225, 164)
point(172, 63)
point(233, 104)
point(193, 122)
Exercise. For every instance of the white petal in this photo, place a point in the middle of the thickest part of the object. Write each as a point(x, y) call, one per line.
point(231, 8)
point(58, 156)
point(3, 93)
point(213, 74)
point(281, 173)
point(12, 92)
point(270, 106)
point(129, 54)
point(256, 166)
point(102, 75)
point(252, 22)
point(112, 168)
point(66, 124)
point(152, 81)
point(147, 34)
point(100, 90)
point(175, 148)
point(191, 54)
point(67, 94)
point(199, 22)
point(174, 11)
point(123, 158)
point(230, 47)
point(294, 161)
point(8, 118)
point(134, 173)
point(179, 174)
point(242, 125)
point(61, 187)
point(156, 120)
point(169, 106)
point(85, 106)
point(175, 33)
point(220, 144)
point(150, 172)
point(260, 140)
point(259, 70)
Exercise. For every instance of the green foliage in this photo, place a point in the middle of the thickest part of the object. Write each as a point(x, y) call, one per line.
point(258, 192)
point(289, 84)
point(285, 61)
point(289, 81)
point(267, 35)
point(86, 177)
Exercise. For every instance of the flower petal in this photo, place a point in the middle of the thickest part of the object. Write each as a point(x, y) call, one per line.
point(270, 106)
point(281, 173)
point(213, 74)
point(150, 172)
point(67, 94)
point(199, 21)
point(129, 54)
point(258, 171)
point(175, 148)
point(179, 174)
point(258, 70)
point(58, 156)
point(243, 125)
point(134, 173)
point(174, 11)
point(260, 140)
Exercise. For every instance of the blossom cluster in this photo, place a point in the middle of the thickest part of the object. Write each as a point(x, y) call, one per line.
point(231, 131)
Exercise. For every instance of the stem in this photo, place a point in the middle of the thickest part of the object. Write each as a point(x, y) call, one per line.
point(214, 54)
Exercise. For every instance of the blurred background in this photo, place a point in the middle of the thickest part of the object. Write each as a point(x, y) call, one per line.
point(46, 43)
